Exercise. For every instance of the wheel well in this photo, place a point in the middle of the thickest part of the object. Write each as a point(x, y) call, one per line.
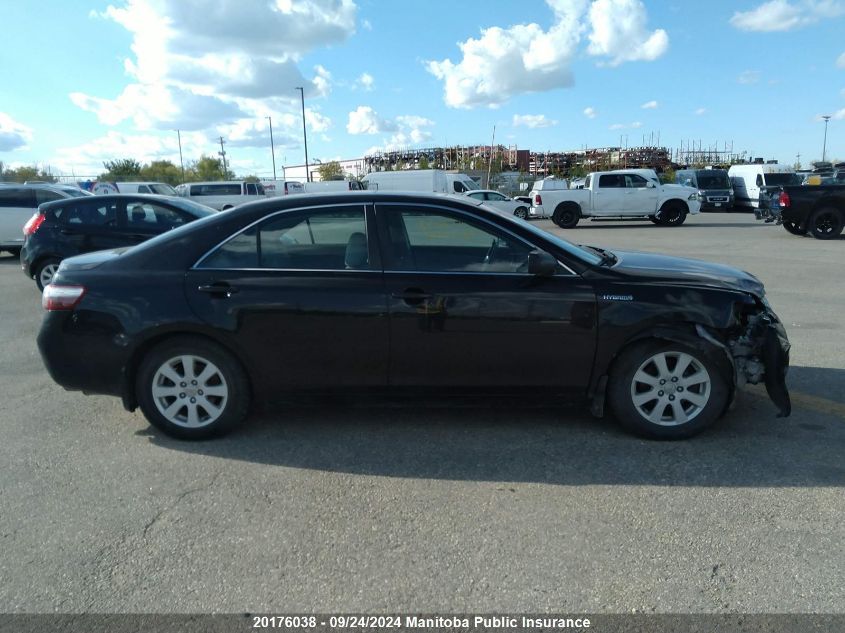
point(33, 268)
point(569, 205)
point(828, 204)
point(675, 202)
point(130, 401)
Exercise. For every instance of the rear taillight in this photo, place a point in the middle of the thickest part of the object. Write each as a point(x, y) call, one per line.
point(538, 199)
point(783, 199)
point(33, 223)
point(56, 297)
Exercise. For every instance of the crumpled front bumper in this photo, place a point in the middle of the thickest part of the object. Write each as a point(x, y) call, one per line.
point(776, 360)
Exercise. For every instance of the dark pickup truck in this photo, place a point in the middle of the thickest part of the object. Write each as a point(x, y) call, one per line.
point(818, 210)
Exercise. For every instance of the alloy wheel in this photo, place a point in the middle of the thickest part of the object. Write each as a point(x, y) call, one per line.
point(46, 274)
point(190, 391)
point(670, 388)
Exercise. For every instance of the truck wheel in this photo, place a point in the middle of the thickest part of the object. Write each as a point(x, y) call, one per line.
point(794, 228)
point(672, 214)
point(666, 390)
point(566, 216)
point(825, 223)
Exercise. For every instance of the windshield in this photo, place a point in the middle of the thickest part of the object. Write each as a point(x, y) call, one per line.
point(782, 179)
point(718, 180)
point(568, 247)
point(163, 189)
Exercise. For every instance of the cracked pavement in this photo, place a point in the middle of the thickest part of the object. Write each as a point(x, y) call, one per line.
point(487, 506)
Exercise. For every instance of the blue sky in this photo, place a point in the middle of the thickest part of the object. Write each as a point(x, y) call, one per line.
point(86, 81)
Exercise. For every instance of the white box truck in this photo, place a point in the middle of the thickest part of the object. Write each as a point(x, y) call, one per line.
point(430, 180)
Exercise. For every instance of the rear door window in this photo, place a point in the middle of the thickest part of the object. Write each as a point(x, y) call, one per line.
point(17, 197)
point(324, 239)
point(146, 216)
point(91, 214)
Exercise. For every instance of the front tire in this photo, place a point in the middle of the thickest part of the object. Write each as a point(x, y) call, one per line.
point(826, 223)
point(667, 391)
point(192, 389)
point(672, 214)
point(45, 271)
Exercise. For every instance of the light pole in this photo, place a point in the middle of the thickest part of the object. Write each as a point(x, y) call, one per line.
point(222, 153)
point(181, 162)
point(826, 118)
point(304, 135)
point(272, 148)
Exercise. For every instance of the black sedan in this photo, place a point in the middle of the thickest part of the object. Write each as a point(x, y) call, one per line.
point(72, 226)
point(401, 292)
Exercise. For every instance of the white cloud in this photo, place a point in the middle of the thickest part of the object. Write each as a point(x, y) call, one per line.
point(700, 111)
point(749, 77)
point(405, 130)
point(366, 25)
point(636, 124)
point(201, 64)
point(840, 61)
point(839, 115)
point(365, 120)
point(317, 121)
point(785, 15)
point(590, 112)
point(13, 135)
point(366, 81)
point(617, 126)
point(532, 120)
point(619, 31)
point(525, 58)
point(624, 126)
point(649, 105)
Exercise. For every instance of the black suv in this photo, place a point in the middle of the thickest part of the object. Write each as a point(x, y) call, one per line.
point(65, 228)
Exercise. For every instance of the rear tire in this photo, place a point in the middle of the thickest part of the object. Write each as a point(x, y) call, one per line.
point(45, 271)
point(566, 216)
point(192, 389)
point(693, 393)
point(826, 223)
point(794, 228)
point(521, 213)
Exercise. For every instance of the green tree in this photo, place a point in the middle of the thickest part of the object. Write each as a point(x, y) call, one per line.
point(121, 169)
point(161, 171)
point(424, 162)
point(252, 178)
point(668, 175)
point(330, 171)
point(207, 168)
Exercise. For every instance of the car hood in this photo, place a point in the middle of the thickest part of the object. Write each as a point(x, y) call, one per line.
point(650, 266)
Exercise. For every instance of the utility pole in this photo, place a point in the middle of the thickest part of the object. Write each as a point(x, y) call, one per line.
point(272, 148)
point(826, 118)
point(222, 153)
point(304, 135)
point(181, 162)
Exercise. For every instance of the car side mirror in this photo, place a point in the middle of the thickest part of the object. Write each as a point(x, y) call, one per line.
point(541, 264)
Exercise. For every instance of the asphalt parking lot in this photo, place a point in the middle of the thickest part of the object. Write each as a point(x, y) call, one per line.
point(485, 507)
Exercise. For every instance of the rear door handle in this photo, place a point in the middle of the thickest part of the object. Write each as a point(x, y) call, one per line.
point(218, 289)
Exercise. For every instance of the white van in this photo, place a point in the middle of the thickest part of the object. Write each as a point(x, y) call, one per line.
point(161, 188)
point(748, 179)
point(222, 195)
point(282, 187)
point(327, 186)
point(429, 180)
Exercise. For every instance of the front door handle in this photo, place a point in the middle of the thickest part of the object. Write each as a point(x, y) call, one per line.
point(412, 296)
point(218, 289)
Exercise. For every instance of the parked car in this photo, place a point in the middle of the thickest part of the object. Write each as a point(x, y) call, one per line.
point(618, 195)
point(523, 199)
point(747, 180)
point(222, 195)
point(17, 203)
point(64, 228)
point(817, 210)
point(714, 187)
point(501, 202)
point(161, 188)
point(377, 292)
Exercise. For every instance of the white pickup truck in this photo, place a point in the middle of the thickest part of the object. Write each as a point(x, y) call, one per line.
point(619, 194)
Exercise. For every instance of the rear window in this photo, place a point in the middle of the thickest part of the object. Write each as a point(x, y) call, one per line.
point(782, 179)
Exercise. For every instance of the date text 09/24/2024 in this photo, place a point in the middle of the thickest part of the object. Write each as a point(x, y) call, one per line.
point(414, 621)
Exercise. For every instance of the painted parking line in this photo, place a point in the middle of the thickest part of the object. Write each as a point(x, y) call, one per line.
point(807, 401)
